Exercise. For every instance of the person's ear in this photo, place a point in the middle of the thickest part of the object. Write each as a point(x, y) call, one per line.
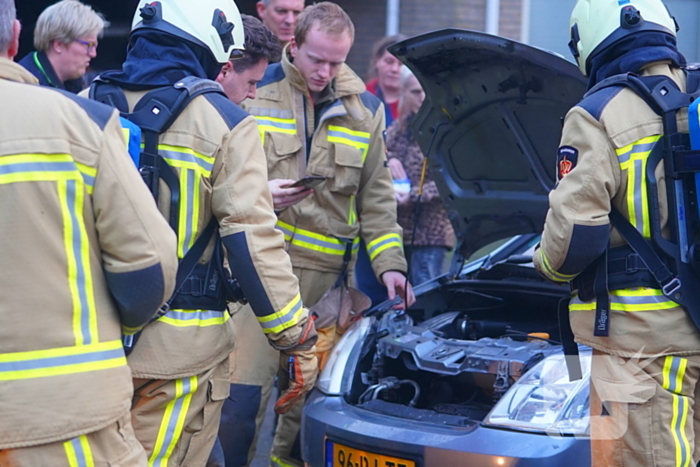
point(293, 49)
point(57, 46)
point(13, 50)
point(227, 68)
point(260, 7)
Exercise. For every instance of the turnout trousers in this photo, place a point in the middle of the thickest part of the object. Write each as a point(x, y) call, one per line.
point(641, 407)
point(113, 446)
point(254, 366)
point(177, 420)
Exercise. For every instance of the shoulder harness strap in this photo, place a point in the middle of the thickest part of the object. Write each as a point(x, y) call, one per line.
point(668, 261)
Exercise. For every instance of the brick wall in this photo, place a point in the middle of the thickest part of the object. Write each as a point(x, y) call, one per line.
point(420, 16)
point(369, 17)
point(510, 19)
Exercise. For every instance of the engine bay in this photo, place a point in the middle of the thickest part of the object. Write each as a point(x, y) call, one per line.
point(452, 367)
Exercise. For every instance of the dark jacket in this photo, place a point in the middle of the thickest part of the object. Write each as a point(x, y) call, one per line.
point(38, 64)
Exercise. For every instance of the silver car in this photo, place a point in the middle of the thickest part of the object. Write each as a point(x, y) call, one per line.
point(473, 374)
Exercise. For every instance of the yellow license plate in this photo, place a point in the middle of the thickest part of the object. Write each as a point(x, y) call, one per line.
point(338, 455)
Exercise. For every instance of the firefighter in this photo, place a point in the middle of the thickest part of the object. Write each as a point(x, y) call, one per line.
point(86, 256)
point(180, 363)
point(315, 118)
point(645, 365)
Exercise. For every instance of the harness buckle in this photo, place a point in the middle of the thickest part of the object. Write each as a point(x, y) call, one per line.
point(671, 287)
point(634, 264)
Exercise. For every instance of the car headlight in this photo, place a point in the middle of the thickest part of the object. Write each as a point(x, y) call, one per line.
point(544, 400)
point(336, 377)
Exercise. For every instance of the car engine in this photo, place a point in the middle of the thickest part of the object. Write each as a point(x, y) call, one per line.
point(448, 364)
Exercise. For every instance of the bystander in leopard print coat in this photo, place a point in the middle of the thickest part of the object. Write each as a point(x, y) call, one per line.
point(434, 228)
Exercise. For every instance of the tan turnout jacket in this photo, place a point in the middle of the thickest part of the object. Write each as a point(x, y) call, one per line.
point(606, 141)
point(73, 211)
point(344, 144)
point(215, 149)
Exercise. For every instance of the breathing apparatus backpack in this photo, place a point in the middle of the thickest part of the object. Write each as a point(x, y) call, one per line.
point(197, 286)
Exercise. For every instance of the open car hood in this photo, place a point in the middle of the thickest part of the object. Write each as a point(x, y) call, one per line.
point(490, 127)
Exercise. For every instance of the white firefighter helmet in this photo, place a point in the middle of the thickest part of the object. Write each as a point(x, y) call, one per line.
point(215, 25)
point(598, 24)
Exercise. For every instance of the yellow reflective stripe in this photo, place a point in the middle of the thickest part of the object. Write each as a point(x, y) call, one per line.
point(554, 275)
point(61, 361)
point(77, 248)
point(375, 247)
point(37, 168)
point(186, 158)
point(127, 331)
point(679, 419)
point(89, 174)
point(127, 135)
point(629, 300)
point(633, 158)
point(173, 421)
point(287, 126)
point(356, 139)
point(361, 135)
point(185, 239)
point(284, 319)
point(352, 215)
point(191, 318)
point(313, 241)
point(277, 462)
point(672, 380)
point(79, 453)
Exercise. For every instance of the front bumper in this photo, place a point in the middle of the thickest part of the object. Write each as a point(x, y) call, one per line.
point(430, 445)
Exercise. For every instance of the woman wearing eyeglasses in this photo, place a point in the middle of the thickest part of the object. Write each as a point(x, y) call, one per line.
point(65, 39)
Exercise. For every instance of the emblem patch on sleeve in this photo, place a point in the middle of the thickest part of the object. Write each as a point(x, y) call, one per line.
point(566, 161)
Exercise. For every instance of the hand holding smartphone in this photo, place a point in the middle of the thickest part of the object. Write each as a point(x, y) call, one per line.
point(310, 181)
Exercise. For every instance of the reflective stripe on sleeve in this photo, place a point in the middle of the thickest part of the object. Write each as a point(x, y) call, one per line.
point(633, 158)
point(383, 243)
point(61, 361)
point(284, 319)
point(631, 300)
point(551, 273)
point(313, 241)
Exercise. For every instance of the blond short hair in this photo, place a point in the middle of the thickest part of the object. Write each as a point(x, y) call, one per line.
point(330, 17)
point(66, 21)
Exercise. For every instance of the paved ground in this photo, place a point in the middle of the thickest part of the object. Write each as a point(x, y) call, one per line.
point(262, 455)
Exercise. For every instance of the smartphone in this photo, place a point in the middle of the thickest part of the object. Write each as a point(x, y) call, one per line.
point(310, 181)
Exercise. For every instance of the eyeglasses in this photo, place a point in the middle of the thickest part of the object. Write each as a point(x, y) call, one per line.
point(91, 46)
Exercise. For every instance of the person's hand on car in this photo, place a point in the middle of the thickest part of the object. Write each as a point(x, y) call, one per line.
point(396, 283)
point(284, 196)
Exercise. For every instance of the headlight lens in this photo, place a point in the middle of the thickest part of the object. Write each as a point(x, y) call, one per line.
point(336, 377)
point(545, 400)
